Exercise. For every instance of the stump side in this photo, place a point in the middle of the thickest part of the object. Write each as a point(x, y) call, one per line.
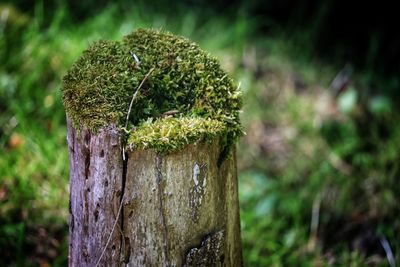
point(95, 193)
point(179, 209)
point(173, 204)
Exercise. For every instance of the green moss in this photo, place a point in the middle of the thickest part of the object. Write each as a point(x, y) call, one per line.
point(98, 88)
point(170, 133)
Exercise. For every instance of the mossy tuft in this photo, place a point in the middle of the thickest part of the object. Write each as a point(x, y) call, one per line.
point(181, 78)
point(170, 133)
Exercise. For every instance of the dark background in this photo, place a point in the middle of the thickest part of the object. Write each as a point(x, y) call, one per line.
point(319, 167)
point(362, 33)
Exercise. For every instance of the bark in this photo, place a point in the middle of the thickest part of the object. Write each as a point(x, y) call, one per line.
point(179, 209)
point(96, 170)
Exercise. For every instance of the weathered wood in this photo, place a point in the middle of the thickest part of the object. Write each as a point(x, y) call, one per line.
point(179, 209)
point(95, 193)
point(173, 203)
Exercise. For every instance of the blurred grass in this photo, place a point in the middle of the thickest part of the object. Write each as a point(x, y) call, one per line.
point(34, 159)
point(314, 177)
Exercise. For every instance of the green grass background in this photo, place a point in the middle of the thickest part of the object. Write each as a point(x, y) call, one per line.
point(318, 176)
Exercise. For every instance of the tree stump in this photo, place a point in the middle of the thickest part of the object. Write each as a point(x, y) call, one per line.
point(180, 209)
point(163, 192)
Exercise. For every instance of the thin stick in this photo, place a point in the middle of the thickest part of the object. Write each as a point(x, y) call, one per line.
point(131, 104)
point(112, 231)
point(123, 157)
point(314, 222)
point(389, 253)
point(135, 94)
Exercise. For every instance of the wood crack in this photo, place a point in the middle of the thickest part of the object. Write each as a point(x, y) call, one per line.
point(125, 242)
point(86, 152)
point(161, 209)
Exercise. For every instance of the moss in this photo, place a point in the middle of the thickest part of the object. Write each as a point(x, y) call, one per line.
point(170, 133)
point(98, 88)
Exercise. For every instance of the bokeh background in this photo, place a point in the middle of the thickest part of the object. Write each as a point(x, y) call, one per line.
point(318, 168)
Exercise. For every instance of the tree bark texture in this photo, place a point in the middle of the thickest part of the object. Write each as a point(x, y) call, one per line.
point(179, 209)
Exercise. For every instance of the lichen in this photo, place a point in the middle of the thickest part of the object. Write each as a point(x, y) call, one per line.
point(98, 88)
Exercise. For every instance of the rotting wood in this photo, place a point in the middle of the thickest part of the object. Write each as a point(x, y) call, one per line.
point(209, 253)
point(95, 191)
point(171, 203)
point(158, 189)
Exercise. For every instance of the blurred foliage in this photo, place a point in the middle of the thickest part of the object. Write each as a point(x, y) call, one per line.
point(318, 170)
point(318, 182)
